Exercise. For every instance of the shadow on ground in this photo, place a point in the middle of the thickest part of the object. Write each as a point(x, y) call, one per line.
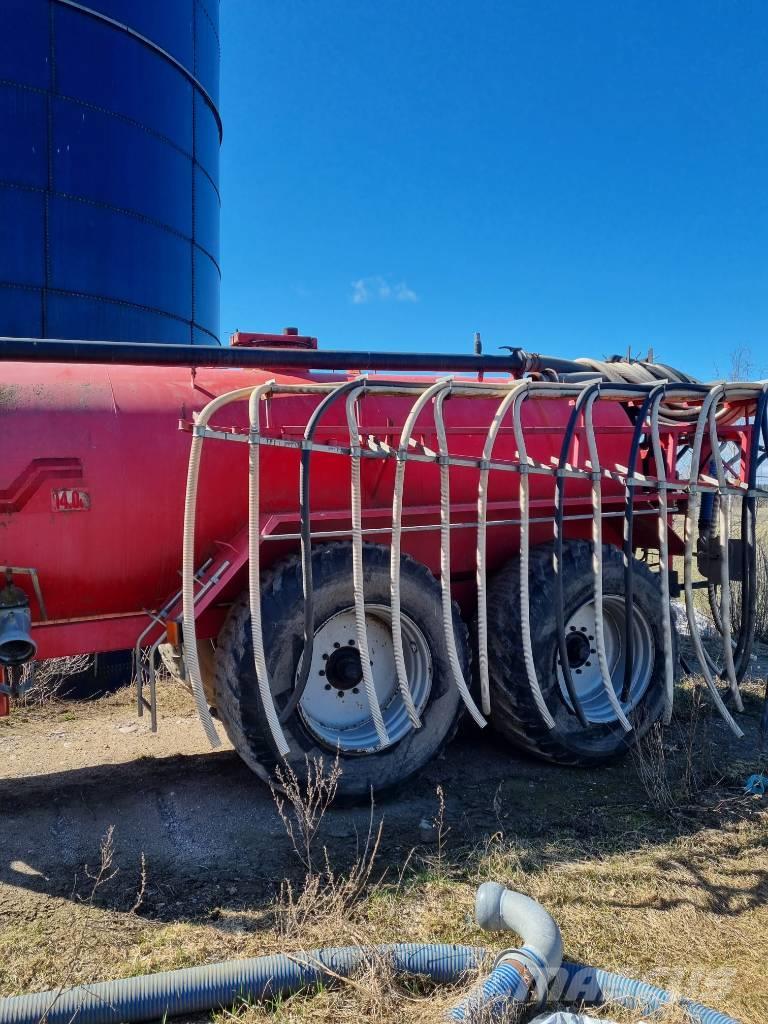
point(211, 837)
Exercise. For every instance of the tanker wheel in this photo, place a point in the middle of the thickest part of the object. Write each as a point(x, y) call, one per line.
point(334, 714)
point(514, 713)
point(173, 663)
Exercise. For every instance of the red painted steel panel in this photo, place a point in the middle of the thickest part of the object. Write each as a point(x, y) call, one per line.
point(93, 472)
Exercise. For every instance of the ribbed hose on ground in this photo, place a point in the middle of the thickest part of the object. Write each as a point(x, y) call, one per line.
point(445, 562)
point(533, 966)
point(358, 587)
point(594, 986)
point(495, 998)
point(194, 990)
point(254, 574)
point(153, 997)
point(597, 562)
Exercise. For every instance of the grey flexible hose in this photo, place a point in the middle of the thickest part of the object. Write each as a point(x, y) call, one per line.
point(254, 574)
point(481, 569)
point(358, 585)
point(690, 518)
point(445, 562)
point(597, 562)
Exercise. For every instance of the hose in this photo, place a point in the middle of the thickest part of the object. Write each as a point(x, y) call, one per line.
point(690, 518)
point(638, 372)
point(749, 535)
point(358, 586)
point(594, 986)
point(517, 973)
point(254, 575)
point(725, 572)
point(629, 548)
point(445, 561)
point(481, 572)
point(583, 403)
point(525, 546)
point(188, 560)
point(597, 561)
point(192, 990)
point(666, 606)
point(395, 546)
point(305, 520)
point(306, 543)
point(558, 566)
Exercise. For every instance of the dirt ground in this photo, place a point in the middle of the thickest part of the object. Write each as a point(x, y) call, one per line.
point(674, 892)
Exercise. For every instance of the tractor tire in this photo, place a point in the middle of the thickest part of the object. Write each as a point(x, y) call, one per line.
point(173, 663)
point(515, 715)
point(333, 714)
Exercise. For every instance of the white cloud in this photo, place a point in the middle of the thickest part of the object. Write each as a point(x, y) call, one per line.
point(405, 294)
point(377, 288)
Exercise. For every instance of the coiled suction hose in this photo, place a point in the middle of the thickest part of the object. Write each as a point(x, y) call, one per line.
point(532, 967)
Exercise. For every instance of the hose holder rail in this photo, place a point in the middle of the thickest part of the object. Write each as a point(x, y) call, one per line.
point(512, 395)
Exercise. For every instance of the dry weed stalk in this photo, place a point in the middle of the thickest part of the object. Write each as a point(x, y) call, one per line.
point(309, 799)
point(436, 862)
point(325, 894)
point(329, 895)
point(39, 681)
point(674, 763)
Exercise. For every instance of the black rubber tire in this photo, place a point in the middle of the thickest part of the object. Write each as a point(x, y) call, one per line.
point(172, 661)
point(514, 713)
point(282, 604)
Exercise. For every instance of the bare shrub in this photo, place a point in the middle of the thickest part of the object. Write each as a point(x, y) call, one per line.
point(325, 894)
point(40, 681)
point(435, 862)
point(328, 895)
point(307, 801)
point(673, 763)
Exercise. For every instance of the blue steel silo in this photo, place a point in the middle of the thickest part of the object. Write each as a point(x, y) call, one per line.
point(109, 170)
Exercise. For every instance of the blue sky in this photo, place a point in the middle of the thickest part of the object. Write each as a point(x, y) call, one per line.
point(570, 177)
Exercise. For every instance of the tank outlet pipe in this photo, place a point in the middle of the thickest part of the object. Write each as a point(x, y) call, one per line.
point(39, 350)
point(520, 971)
point(16, 644)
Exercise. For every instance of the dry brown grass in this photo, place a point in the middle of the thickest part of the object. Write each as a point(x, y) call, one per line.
point(667, 898)
point(675, 913)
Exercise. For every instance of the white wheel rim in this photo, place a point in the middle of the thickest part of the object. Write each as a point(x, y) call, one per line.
point(585, 670)
point(334, 709)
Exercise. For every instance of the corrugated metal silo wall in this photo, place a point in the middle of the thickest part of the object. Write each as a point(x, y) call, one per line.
point(109, 170)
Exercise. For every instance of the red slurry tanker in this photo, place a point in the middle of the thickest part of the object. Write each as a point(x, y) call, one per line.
point(496, 534)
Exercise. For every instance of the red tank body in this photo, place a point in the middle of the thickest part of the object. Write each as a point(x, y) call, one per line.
point(94, 462)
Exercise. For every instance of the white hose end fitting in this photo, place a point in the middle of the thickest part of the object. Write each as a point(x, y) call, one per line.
point(501, 909)
point(488, 907)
